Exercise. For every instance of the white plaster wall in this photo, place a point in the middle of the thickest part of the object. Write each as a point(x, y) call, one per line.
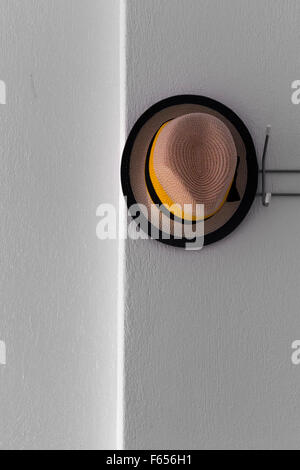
point(59, 159)
point(208, 335)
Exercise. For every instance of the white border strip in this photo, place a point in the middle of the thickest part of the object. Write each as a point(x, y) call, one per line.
point(122, 228)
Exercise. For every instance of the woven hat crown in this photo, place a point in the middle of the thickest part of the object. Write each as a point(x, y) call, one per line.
point(193, 161)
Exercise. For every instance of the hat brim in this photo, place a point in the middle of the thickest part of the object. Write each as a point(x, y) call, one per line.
point(134, 158)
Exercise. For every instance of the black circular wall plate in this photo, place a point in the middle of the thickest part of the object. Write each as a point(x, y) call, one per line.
point(252, 167)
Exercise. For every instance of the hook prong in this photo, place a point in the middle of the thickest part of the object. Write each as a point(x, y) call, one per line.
point(266, 197)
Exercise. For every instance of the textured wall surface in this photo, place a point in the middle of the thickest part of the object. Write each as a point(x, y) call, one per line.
point(208, 335)
point(59, 154)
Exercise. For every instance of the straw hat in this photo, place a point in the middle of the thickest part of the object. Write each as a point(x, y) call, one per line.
point(184, 152)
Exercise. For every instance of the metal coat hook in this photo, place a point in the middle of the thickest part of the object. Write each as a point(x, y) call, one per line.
point(267, 196)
